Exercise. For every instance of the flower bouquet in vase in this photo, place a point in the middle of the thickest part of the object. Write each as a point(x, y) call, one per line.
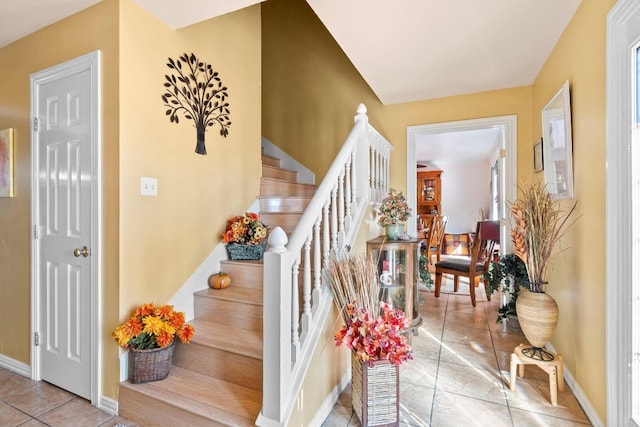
point(393, 213)
point(149, 335)
point(246, 237)
point(538, 225)
point(373, 331)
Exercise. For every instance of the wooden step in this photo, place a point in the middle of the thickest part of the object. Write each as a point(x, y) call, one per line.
point(278, 187)
point(234, 306)
point(237, 354)
point(285, 220)
point(246, 274)
point(270, 161)
point(186, 398)
point(279, 173)
point(283, 204)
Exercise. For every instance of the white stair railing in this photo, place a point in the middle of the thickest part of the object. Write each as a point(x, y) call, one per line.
point(296, 302)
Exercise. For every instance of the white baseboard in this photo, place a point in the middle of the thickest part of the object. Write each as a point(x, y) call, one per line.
point(589, 410)
point(331, 400)
point(15, 366)
point(108, 405)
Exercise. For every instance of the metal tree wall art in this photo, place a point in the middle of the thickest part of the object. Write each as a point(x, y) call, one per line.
point(195, 90)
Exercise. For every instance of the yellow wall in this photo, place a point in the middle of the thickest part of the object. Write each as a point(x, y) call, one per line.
point(164, 239)
point(92, 29)
point(310, 88)
point(577, 276)
point(328, 365)
point(397, 117)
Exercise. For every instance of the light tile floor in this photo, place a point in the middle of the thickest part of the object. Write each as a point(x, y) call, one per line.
point(460, 372)
point(29, 403)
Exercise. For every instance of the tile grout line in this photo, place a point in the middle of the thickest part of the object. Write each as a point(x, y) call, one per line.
point(435, 384)
point(495, 355)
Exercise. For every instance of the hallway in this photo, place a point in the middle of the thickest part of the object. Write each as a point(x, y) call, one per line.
point(460, 372)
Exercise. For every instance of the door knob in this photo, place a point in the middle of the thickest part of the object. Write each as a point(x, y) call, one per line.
point(78, 251)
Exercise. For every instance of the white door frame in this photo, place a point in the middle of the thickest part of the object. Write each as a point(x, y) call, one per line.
point(621, 261)
point(509, 143)
point(91, 62)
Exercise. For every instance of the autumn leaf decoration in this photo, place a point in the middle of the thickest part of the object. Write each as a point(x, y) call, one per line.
point(195, 91)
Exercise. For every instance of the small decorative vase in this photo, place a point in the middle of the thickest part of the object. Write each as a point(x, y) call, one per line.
point(393, 231)
point(374, 390)
point(538, 317)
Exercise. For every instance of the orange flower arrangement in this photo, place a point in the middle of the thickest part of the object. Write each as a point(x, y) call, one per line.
point(245, 229)
point(153, 327)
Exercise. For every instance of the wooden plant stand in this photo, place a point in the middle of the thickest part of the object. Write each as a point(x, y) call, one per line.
point(551, 367)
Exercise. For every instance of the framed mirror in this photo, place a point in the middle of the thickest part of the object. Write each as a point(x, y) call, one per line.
point(557, 144)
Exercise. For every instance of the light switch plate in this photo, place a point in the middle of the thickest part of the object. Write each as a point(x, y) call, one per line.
point(148, 186)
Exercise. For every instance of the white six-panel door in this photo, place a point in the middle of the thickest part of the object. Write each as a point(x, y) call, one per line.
point(65, 220)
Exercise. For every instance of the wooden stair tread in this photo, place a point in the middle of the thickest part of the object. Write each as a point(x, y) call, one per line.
point(209, 397)
point(301, 184)
point(234, 293)
point(278, 204)
point(269, 160)
point(234, 340)
point(256, 262)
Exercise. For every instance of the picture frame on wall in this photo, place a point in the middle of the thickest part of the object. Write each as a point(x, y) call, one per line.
point(538, 164)
point(6, 163)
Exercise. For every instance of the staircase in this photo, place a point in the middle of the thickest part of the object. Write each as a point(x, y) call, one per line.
point(217, 379)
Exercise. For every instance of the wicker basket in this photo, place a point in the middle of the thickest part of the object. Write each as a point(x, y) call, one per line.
point(150, 365)
point(239, 251)
point(374, 392)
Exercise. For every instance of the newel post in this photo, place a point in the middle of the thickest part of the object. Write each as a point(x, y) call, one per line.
point(363, 149)
point(276, 328)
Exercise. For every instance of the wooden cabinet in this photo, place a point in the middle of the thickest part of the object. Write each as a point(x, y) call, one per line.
point(428, 192)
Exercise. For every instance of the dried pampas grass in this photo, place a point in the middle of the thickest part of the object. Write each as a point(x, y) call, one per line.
point(538, 224)
point(353, 279)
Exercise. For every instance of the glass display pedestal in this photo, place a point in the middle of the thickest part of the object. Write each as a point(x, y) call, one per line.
point(397, 263)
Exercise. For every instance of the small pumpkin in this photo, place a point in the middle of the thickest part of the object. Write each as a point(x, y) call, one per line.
point(219, 280)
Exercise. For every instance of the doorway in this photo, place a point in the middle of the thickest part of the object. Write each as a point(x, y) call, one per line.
point(65, 216)
point(507, 167)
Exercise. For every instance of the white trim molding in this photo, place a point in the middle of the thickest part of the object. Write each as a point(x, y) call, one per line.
point(15, 366)
point(623, 30)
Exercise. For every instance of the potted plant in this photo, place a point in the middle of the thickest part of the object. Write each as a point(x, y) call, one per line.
point(392, 214)
point(538, 225)
point(373, 331)
point(149, 335)
point(423, 272)
point(508, 274)
point(246, 237)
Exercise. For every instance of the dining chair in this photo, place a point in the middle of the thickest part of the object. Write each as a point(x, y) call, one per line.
point(425, 225)
point(436, 235)
point(475, 265)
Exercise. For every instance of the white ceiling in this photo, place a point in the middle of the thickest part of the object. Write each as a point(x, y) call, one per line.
point(408, 50)
point(457, 147)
